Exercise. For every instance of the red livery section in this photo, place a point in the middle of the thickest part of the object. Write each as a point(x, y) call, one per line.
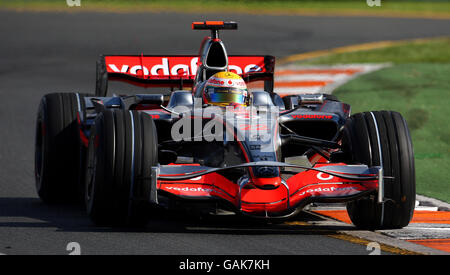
point(312, 116)
point(176, 67)
point(252, 200)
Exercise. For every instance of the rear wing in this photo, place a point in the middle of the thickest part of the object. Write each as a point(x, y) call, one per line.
point(177, 71)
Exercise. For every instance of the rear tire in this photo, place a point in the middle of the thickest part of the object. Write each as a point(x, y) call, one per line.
point(122, 149)
point(361, 141)
point(58, 149)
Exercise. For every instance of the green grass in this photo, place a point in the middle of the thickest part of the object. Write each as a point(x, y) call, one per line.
point(396, 7)
point(432, 51)
point(421, 93)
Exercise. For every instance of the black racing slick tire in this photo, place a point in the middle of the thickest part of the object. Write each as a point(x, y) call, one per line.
point(122, 149)
point(363, 135)
point(58, 148)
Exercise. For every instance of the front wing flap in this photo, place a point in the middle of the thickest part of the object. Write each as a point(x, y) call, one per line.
point(323, 182)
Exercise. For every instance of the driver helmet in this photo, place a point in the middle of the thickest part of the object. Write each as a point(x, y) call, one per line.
point(225, 89)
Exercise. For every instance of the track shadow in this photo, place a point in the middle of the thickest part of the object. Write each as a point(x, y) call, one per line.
point(32, 213)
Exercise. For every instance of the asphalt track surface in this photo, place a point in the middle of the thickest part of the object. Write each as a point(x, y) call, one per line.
point(56, 52)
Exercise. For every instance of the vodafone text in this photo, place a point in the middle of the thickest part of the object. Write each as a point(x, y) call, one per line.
point(166, 68)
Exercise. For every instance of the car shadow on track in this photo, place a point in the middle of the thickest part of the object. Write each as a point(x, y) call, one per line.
point(32, 213)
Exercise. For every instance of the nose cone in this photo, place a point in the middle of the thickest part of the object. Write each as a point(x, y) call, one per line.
point(267, 183)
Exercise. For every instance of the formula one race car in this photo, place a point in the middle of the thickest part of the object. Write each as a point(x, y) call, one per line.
point(260, 155)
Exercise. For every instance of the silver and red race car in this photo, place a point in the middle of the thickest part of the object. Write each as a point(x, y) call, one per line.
point(125, 155)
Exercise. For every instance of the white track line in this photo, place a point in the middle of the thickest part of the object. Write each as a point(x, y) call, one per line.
point(299, 90)
point(342, 207)
point(311, 77)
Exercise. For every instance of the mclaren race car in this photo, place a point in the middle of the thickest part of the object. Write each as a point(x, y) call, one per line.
point(268, 158)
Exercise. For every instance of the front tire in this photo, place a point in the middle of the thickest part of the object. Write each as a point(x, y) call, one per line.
point(58, 149)
point(361, 135)
point(122, 149)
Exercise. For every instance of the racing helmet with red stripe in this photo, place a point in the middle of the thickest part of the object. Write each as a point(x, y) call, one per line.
point(224, 89)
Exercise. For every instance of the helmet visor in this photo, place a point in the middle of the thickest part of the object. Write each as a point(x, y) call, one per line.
point(226, 95)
